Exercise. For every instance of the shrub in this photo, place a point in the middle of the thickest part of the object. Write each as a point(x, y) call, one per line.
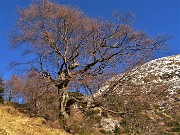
point(79, 130)
point(165, 133)
point(100, 126)
point(173, 124)
point(175, 129)
point(92, 112)
point(105, 132)
point(117, 130)
point(104, 114)
point(96, 119)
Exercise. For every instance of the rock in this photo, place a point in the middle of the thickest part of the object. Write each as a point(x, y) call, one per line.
point(109, 124)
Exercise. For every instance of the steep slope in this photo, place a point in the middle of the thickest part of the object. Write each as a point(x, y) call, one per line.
point(163, 71)
point(157, 80)
point(147, 97)
point(14, 123)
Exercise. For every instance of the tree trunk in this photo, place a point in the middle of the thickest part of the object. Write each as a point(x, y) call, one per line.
point(10, 97)
point(63, 98)
point(36, 108)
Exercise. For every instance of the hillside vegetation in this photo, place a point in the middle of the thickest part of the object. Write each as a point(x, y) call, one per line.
point(14, 123)
point(144, 101)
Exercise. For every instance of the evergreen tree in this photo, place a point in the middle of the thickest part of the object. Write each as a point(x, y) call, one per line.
point(1, 90)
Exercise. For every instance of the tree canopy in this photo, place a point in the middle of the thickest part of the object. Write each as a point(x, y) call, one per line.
point(69, 44)
point(73, 49)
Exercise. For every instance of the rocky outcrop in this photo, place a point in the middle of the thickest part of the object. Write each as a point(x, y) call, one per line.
point(109, 124)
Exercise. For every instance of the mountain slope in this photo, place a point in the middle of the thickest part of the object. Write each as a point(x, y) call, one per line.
point(147, 97)
point(161, 71)
point(158, 80)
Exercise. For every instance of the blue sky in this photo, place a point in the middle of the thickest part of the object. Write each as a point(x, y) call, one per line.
point(152, 16)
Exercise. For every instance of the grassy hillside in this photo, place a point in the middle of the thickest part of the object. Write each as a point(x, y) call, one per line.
point(14, 123)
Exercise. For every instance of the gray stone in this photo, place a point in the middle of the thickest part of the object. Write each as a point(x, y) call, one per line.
point(109, 124)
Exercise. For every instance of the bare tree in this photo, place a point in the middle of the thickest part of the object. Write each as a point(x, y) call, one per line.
point(38, 94)
point(69, 47)
point(13, 88)
point(36, 90)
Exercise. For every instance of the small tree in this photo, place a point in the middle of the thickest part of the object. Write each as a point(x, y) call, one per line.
point(37, 93)
point(13, 88)
point(71, 48)
point(1, 90)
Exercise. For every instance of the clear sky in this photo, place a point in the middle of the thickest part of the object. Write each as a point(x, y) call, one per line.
point(152, 16)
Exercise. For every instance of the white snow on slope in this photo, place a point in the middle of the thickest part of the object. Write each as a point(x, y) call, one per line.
point(164, 70)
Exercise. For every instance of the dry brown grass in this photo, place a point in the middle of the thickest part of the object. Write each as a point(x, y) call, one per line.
point(14, 123)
